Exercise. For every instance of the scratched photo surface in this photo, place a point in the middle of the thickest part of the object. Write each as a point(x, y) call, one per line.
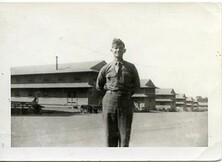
point(57, 50)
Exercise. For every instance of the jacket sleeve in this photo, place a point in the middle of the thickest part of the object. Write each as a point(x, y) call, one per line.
point(101, 80)
point(136, 80)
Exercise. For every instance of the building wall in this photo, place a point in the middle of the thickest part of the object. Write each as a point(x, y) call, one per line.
point(171, 104)
point(150, 103)
point(53, 100)
point(181, 107)
point(55, 78)
point(145, 103)
point(54, 96)
point(189, 105)
point(49, 92)
point(68, 96)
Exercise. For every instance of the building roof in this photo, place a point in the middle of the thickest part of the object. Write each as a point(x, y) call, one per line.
point(62, 68)
point(139, 95)
point(180, 103)
point(163, 100)
point(203, 103)
point(189, 99)
point(144, 83)
point(53, 85)
point(163, 106)
point(195, 101)
point(180, 96)
point(165, 91)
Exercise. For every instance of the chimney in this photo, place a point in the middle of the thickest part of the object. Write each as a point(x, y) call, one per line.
point(57, 63)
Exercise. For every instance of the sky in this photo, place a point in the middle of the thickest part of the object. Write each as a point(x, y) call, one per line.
point(176, 45)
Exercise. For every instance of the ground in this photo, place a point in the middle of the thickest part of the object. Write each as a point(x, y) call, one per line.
point(165, 129)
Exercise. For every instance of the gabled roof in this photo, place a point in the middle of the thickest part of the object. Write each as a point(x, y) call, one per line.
point(203, 103)
point(195, 100)
point(144, 83)
point(165, 91)
point(53, 85)
point(163, 106)
point(139, 95)
point(180, 103)
point(180, 96)
point(62, 68)
point(189, 99)
point(163, 100)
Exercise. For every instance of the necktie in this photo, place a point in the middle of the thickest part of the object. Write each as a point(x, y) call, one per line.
point(118, 70)
point(117, 67)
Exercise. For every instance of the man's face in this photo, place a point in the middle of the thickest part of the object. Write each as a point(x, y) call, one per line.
point(118, 51)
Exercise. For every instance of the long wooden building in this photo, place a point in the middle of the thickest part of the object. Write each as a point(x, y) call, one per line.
point(202, 106)
point(73, 84)
point(165, 99)
point(66, 84)
point(195, 105)
point(189, 104)
point(144, 98)
point(180, 102)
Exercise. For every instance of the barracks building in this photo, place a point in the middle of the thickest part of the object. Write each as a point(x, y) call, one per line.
point(64, 84)
point(165, 99)
point(144, 98)
point(73, 84)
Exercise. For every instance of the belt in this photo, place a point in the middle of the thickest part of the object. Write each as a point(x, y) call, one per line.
point(119, 92)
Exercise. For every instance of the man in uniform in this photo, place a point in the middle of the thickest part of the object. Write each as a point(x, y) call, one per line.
point(120, 80)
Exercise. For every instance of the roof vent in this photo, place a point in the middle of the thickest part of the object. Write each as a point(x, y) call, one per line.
point(57, 66)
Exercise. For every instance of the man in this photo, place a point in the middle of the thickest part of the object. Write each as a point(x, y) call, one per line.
point(120, 80)
point(36, 106)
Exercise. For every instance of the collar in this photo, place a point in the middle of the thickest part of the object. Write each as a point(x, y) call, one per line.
point(117, 62)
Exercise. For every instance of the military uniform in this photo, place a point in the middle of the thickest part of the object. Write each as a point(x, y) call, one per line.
point(119, 80)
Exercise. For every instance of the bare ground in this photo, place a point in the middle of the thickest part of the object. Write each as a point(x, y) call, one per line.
point(179, 129)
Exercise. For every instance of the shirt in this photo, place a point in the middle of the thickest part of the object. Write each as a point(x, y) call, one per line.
point(117, 66)
point(126, 80)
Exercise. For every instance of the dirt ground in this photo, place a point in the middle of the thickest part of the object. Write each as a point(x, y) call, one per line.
point(168, 129)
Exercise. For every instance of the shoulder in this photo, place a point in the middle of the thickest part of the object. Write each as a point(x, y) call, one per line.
point(129, 64)
point(106, 67)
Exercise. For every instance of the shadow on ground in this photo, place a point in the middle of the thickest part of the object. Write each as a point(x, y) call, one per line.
point(47, 112)
point(30, 112)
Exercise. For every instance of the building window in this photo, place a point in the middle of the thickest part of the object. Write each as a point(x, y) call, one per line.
point(60, 78)
point(17, 94)
point(30, 93)
point(45, 79)
point(147, 91)
point(45, 94)
point(76, 79)
point(71, 94)
point(17, 80)
point(30, 79)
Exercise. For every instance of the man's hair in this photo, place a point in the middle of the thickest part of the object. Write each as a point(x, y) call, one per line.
point(117, 42)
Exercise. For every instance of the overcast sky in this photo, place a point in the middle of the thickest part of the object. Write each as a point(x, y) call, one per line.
point(175, 45)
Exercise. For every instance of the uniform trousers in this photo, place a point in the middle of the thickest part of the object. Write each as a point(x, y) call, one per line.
point(117, 116)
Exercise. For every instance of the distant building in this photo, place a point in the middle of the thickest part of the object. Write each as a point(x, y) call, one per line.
point(203, 106)
point(64, 84)
point(189, 104)
point(144, 98)
point(165, 99)
point(195, 105)
point(180, 102)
